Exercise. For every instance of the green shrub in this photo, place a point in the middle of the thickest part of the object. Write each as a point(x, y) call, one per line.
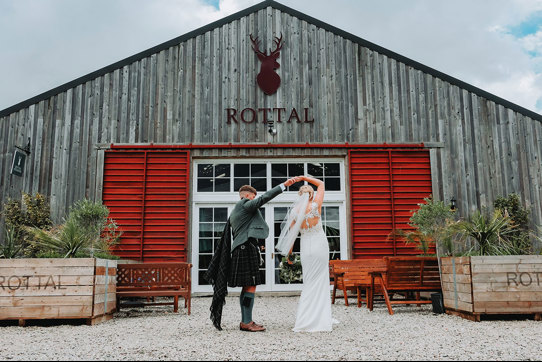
point(93, 217)
point(520, 242)
point(33, 212)
point(430, 225)
point(87, 232)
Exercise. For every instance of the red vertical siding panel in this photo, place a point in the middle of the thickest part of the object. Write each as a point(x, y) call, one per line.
point(386, 187)
point(166, 200)
point(371, 204)
point(154, 228)
point(123, 190)
point(412, 182)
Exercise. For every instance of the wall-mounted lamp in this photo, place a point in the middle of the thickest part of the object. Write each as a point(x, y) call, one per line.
point(25, 149)
point(271, 128)
point(453, 205)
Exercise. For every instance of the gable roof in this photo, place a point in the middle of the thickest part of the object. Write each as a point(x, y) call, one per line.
point(264, 4)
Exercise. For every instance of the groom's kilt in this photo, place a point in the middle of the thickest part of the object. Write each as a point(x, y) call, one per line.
point(245, 265)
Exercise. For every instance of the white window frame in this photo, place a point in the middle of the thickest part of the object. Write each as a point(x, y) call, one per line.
point(228, 199)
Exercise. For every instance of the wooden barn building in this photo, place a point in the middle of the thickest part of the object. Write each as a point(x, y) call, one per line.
point(166, 137)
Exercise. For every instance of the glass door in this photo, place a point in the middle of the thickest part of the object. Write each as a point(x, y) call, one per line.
point(215, 195)
point(285, 277)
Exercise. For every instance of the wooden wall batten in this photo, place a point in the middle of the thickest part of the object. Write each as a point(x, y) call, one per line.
point(356, 94)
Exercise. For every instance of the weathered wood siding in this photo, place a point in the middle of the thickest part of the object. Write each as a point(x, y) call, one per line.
point(357, 95)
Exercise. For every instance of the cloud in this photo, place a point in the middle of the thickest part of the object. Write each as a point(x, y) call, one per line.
point(469, 40)
point(46, 43)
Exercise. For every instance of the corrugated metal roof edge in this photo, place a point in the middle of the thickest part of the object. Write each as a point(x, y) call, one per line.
point(292, 12)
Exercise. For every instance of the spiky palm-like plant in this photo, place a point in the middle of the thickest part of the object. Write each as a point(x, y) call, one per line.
point(12, 246)
point(492, 233)
point(68, 240)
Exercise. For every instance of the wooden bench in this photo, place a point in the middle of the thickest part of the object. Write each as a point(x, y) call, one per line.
point(406, 275)
point(151, 280)
point(353, 275)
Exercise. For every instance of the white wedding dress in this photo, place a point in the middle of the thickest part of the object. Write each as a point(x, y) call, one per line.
point(314, 309)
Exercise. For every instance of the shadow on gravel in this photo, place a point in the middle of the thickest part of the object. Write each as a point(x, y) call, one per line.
point(45, 322)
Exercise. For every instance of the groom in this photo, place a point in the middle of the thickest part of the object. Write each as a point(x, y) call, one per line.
point(243, 269)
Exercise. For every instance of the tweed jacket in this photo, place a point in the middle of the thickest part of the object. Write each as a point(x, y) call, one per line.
point(246, 220)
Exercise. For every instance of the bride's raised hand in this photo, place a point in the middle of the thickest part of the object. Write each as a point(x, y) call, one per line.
point(291, 181)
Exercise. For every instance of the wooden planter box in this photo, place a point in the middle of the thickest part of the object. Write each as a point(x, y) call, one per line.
point(58, 289)
point(481, 285)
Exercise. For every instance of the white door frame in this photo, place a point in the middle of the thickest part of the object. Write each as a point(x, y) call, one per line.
point(228, 199)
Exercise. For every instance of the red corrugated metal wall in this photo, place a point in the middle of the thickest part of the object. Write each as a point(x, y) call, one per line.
point(385, 187)
point(147, 193)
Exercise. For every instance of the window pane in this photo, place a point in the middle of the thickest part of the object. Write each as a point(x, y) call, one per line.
point(296, 169)
point(259, 170)
point(277, 228)
point(205, 230)
point(277, 181)
point(332, 213)
point(333, 183)
point(315, 169)
point(222, 170)
point(279, 170)
point(260, 184)
point(241, 170)
point(334, 244)
point(332, 231)
point(333, 225)
point(332, 169)
point(218, 229)
point(205, 170)
point(238, 182)
point(205, 185)
point(202, 280)
point(206, 215)
point(280, 213)
point(221, 214)
point(204, 261)
point(205, 246)
point(222, 184)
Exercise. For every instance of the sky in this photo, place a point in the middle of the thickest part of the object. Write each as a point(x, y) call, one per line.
point(495, 45)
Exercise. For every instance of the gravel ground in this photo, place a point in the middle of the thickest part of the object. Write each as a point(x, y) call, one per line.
point(155, 333)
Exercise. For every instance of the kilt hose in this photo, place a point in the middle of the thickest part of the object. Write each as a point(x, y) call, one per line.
point(245, 265)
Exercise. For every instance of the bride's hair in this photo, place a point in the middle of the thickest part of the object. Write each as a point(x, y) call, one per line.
point(306, 188)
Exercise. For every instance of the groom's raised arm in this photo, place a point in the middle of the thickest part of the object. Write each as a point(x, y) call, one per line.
point(269, 195)
point(265, 198)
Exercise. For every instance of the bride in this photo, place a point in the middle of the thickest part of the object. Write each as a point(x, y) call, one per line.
point(314, 309)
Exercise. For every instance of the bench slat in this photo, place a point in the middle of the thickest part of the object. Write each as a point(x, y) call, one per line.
point(408, 274)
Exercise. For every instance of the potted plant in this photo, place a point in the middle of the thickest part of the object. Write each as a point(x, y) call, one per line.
point(498, 272)
point(63, 278)
point(429, 230)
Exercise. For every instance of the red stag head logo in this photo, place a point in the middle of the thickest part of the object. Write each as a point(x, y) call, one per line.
point(268, 80)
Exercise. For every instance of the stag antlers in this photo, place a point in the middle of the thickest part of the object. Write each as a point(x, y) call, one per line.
point(256, 46)
point(268, 79)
